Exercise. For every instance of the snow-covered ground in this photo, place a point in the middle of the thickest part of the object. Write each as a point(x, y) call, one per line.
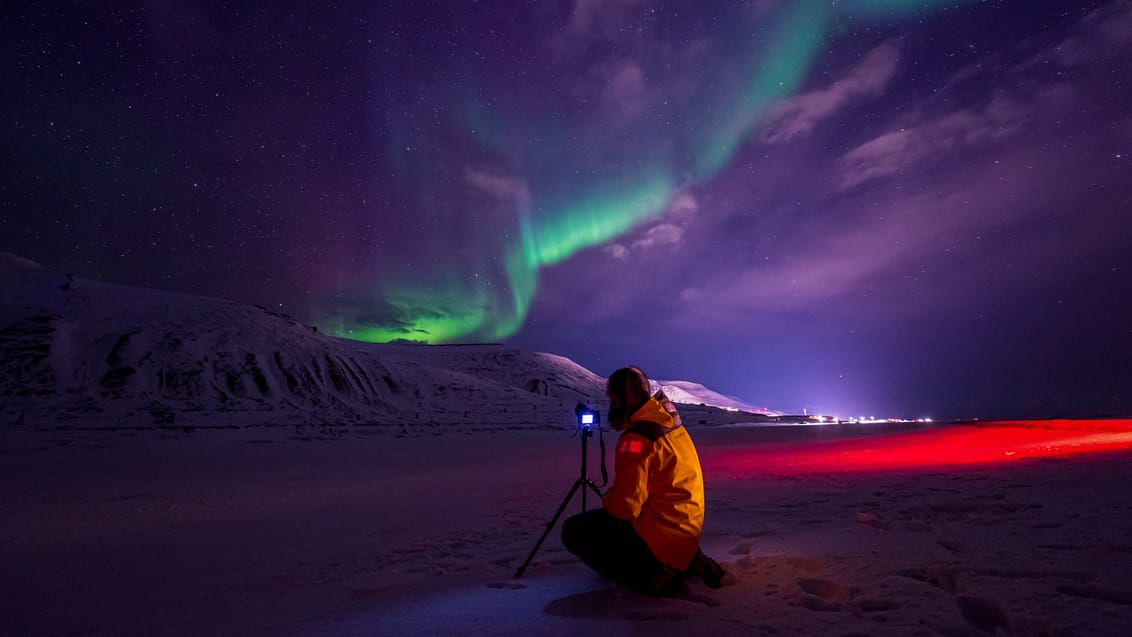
point(825, 531)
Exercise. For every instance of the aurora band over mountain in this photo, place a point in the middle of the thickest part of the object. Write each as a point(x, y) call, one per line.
point(568, 196)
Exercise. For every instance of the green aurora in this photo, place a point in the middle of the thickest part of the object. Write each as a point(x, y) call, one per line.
point(589, 207)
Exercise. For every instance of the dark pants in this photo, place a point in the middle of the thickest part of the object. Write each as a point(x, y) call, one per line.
point(612, 548)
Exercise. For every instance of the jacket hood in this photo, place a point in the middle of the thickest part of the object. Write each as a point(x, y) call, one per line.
point(658, 409)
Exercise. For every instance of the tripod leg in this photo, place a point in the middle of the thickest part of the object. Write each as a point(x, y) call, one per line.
point(549, 526)
point(590, 484)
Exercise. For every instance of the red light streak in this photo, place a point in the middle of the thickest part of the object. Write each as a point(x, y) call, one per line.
point(954, 446)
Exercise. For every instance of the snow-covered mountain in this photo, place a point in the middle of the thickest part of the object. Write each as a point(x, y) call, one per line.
point(82, 353)
point(683, 391)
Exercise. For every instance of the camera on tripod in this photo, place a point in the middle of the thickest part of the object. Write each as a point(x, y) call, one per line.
point(587, 419)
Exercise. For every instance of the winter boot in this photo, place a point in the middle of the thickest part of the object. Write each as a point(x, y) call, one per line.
point(664, 582)
point(707, 569)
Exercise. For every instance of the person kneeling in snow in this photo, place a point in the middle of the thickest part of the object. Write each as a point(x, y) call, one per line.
point(647, 535)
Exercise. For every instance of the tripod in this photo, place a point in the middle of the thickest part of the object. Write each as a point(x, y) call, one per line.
point(582, 481)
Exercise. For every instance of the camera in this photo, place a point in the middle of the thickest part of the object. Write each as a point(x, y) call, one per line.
point(587, 418)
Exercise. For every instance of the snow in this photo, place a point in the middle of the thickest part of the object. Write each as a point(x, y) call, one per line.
point(682, 391)
point(237, 532)
point(206, 494)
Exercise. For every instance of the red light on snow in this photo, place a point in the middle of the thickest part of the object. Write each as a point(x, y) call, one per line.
point(953, 446)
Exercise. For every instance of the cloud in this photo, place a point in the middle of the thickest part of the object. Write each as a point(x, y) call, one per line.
point(963, 190)
point(911, 148)
point(1032, 89)
point(625, 90)
point(512, 190)
point(898, 233)
point(682, 208)
point(799, 115)
point(1104, 33)
point(660, 235)
point(614, 93)
point(667, 233)
point(617, 251)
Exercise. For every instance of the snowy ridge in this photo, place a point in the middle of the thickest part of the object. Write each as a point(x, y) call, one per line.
point(82, 353)
point(682, 391)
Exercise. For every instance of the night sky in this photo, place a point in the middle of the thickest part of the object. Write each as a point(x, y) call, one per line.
point(917, 208)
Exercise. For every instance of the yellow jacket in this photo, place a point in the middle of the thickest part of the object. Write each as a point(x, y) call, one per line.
point(658, 484)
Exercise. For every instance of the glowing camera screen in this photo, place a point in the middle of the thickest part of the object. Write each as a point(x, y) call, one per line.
point(587, 418)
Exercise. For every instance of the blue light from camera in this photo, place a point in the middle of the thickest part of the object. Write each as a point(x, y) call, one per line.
point(587, 418)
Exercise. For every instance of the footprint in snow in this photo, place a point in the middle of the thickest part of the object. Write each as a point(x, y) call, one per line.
point(506, 584)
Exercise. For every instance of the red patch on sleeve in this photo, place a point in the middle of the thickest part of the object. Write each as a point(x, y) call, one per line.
point(630, 446)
